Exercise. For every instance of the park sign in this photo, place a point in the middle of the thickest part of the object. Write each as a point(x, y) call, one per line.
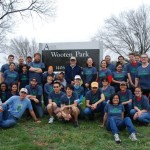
point(58, 54)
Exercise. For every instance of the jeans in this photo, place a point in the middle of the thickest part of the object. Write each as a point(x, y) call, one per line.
point(6, 119)
point(145, 117)
point(38, 109)
point(114, 125)
point(128, 107)
point(100, 108)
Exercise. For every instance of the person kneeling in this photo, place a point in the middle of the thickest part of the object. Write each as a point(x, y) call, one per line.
point(114, 115)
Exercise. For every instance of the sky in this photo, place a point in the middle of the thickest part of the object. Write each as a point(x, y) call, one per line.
point(75, 21)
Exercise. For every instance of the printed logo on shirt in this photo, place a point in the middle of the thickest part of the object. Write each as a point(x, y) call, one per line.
point(115, 110)
point(19, 107)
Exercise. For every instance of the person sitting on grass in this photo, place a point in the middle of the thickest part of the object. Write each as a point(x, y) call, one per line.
point(141, 111)
point(54, 101)
point(69, 107)
point(94, 101)
point(115, 121)
point(14, 108)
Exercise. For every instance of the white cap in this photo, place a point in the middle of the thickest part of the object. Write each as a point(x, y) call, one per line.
point(77, 77)
point(24, 90)
point(73, 58)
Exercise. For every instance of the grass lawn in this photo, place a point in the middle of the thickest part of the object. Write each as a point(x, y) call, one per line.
point(27, 135)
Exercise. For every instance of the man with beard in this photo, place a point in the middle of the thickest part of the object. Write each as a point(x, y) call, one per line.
point(36, 68)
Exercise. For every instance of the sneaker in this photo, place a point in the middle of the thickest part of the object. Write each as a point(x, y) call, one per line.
point(117, 139)
point(51, 120)
point(133, 137)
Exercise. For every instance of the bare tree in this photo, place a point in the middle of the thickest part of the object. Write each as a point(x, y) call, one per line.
point(129, 32)
point(11, 9)
point(22, 47)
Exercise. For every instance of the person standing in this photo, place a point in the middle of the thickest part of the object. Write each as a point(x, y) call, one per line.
point(71, 70)
point(36, 68)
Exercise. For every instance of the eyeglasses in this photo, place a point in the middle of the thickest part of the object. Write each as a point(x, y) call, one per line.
point(23, 92)
point(56, 87)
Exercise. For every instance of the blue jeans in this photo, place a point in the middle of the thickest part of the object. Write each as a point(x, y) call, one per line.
point(128, 107)
point(38, 109)
point(145, 117)
point(114, 125)
point(6, 119)
point(100, 108)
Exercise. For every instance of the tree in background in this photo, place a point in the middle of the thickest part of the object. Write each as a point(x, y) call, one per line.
point(22, 47)
point(10, 10)
point(128, 32)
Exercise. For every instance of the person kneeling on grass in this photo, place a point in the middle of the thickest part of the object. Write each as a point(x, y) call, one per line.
point(54, 101)
point(69, 107)
point(114, 115)
point(12, 110)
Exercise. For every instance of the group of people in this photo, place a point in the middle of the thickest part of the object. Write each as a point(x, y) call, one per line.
point(120, 92)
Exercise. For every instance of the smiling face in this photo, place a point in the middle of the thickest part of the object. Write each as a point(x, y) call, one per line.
point(138, 92)
point(115, 100)
point(144, 58)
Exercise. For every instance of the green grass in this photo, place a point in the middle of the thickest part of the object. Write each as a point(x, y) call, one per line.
point(27, 135)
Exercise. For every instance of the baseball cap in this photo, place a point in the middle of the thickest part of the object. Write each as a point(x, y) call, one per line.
point(73, 58)
point(94, 84)
point(123, 83)
point(24, 90)
point(77, 77)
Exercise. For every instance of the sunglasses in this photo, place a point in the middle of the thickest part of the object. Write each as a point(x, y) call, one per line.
point(23, 92)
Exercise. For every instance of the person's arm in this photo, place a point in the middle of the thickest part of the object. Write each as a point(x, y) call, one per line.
point(88, 104)
point(37, 70)
point(104, 119)
point(129, 101)
point(115, 81)
point(136, 82)
point(1, 77)
point(34, 116)
point(130, 79)
point(122, 115)
point(101, 100)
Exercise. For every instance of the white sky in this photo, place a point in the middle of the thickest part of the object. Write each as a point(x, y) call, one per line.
point(76, 20)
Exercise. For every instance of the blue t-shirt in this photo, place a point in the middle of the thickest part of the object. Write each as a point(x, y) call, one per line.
point(111, 67)
point(24, 79)
point(69, 100)
point(17, 107)
point(36, 75)
point(89, 74)
point(56, 97)
point(114, 111)
point(143, 74)
point(104, 74)
point(48, 88)
point(10, 77)
point(142, 104)
point(6, 67)
point(125, 96)
point(93, 98)
point(35, 91)
point(132, 69)
point(80, 92)
point(108, 92)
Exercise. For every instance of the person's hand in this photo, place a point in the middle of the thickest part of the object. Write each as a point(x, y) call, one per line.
point(37, 121)
point(139, 113)
point(86, 85)
point(94, 106)
point(1, 109)
point(36, 100)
